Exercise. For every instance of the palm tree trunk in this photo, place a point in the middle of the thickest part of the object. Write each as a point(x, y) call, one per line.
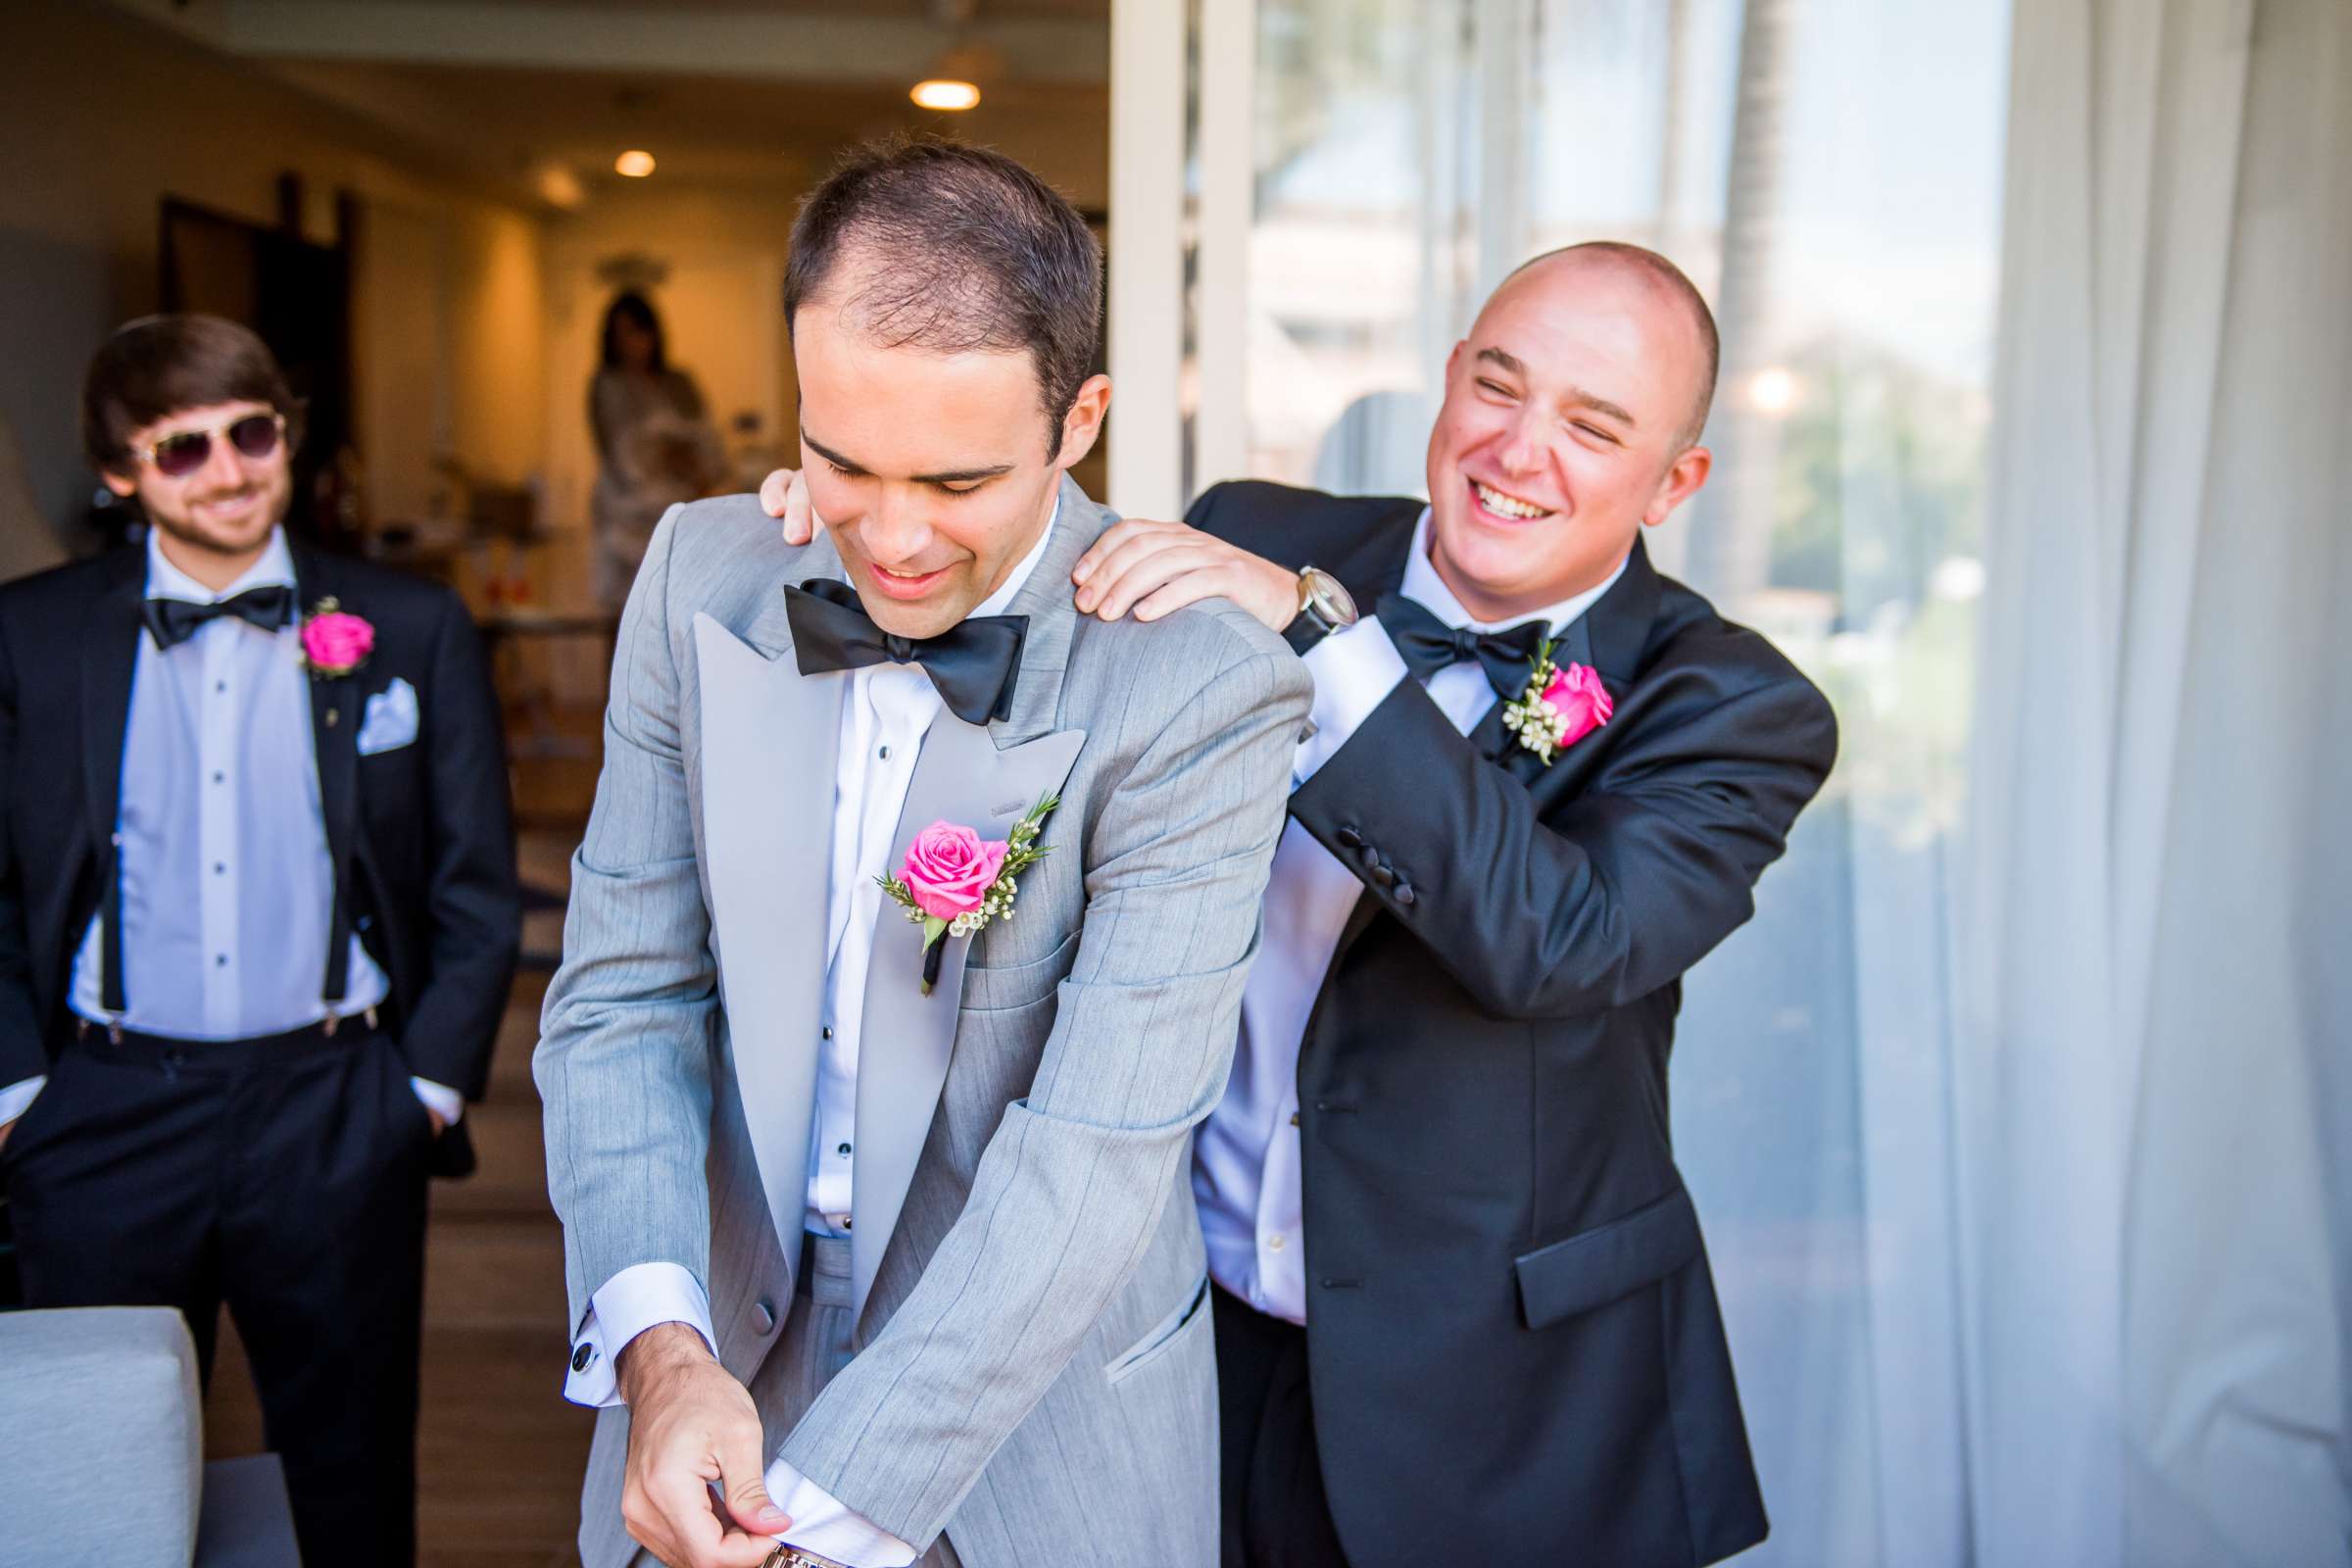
point(1732, 524)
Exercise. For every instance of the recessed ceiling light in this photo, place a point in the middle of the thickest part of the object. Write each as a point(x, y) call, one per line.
point(636, 163)
point(940, 93)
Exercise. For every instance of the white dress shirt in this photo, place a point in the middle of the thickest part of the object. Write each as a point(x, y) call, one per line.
point(1245, 1158)
point(886, 711)
point(226, 911)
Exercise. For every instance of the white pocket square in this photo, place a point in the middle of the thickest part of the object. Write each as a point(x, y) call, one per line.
point(390, 721)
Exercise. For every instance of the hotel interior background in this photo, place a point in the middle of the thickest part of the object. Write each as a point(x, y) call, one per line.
point(2021, 1117)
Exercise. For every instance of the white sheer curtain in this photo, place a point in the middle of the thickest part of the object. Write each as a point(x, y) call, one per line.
point(1829, 172)
point(2151, 1090)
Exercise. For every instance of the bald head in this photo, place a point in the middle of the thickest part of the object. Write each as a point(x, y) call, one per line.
point(1646, 273)
point(1572, 412)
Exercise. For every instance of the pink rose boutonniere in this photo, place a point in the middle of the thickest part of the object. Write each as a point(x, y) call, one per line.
point(336, 642)
point(954, 882)
point(1558, 708)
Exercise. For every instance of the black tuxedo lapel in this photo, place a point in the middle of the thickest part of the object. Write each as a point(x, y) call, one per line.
point(110, 659)
point(1616, 629)
point(334, 744)
point(1610, 636)
point(110, 662)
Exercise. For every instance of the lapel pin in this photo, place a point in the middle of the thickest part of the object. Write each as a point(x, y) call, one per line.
point(333, 714)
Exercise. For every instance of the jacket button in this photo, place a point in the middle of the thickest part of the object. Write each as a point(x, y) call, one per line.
point(765, 1316)
point(1351, 837)
point(581, 1357)
point(1385, 875)
point(1404, 894)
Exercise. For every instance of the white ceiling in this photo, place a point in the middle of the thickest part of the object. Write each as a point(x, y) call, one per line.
point(725, 93)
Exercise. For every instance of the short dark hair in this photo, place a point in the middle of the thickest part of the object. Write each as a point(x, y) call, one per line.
point(964, 251)
point(1678, 285)
point(158, 364)
point(630, 306)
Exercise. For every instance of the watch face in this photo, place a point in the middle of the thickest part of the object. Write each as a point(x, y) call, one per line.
point(1329, 601)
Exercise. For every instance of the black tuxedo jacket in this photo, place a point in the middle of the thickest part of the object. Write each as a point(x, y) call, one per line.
point(421, 836)
point(1515, 1349)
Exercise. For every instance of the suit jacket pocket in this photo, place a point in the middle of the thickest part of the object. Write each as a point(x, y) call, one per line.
point(1162, 1335)
point(990, 989)
point(1596, 1267)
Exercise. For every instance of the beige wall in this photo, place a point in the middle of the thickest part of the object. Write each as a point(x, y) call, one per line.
point(108, 114)
point(498, 326)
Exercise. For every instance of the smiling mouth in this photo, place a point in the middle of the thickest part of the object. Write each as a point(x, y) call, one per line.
point(1507, 507)
point(903, 584)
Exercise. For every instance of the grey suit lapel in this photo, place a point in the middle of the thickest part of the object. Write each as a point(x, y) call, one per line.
point(907, 1039)
point(983, 779)
point(768, 740)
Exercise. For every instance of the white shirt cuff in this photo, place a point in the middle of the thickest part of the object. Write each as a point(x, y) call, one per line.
point(1354, 671)
point(445, 1101)
point(631, 1301)
point(18, 1098)
point(821, 1523)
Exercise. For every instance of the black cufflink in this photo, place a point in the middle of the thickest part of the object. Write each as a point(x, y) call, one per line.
point(583, 1356)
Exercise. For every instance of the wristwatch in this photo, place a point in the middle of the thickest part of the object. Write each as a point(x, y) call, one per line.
point(1324, 606)
point(785, 1556)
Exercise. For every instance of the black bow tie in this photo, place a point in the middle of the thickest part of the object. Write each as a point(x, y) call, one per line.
point(972, 663)
point(174, 621)
point(1428, 645)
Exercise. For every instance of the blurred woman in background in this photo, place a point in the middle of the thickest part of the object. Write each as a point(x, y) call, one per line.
point(655, 444)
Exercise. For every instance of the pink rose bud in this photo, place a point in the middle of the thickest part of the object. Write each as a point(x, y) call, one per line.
point(1584, 705)
point(949, 868)
point(337, 641)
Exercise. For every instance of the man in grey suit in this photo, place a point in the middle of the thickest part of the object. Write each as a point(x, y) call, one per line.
point(877, 1248)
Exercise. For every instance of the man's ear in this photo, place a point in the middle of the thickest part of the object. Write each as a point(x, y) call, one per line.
point(121, 484)
point(1683, 478)
point(1083, 424)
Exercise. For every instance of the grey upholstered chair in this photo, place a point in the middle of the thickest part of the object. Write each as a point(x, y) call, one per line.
point(102, 1452)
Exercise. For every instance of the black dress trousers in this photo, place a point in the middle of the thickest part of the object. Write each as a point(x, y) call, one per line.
point(284, 1177)
point(1275, 1514)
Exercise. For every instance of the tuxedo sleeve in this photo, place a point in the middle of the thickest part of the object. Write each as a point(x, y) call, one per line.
point(473, 905)
point(22, 1056)
point(1603, 898)
point(623, 1060)
point(1073, 1183)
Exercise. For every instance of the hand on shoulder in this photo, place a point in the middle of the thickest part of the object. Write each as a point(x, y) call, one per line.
point(1156, 568)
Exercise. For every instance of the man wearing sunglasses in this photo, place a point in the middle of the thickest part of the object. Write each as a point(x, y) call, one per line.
point(258, 917)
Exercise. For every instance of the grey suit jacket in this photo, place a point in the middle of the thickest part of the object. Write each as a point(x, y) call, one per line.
point(1034, 1368)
